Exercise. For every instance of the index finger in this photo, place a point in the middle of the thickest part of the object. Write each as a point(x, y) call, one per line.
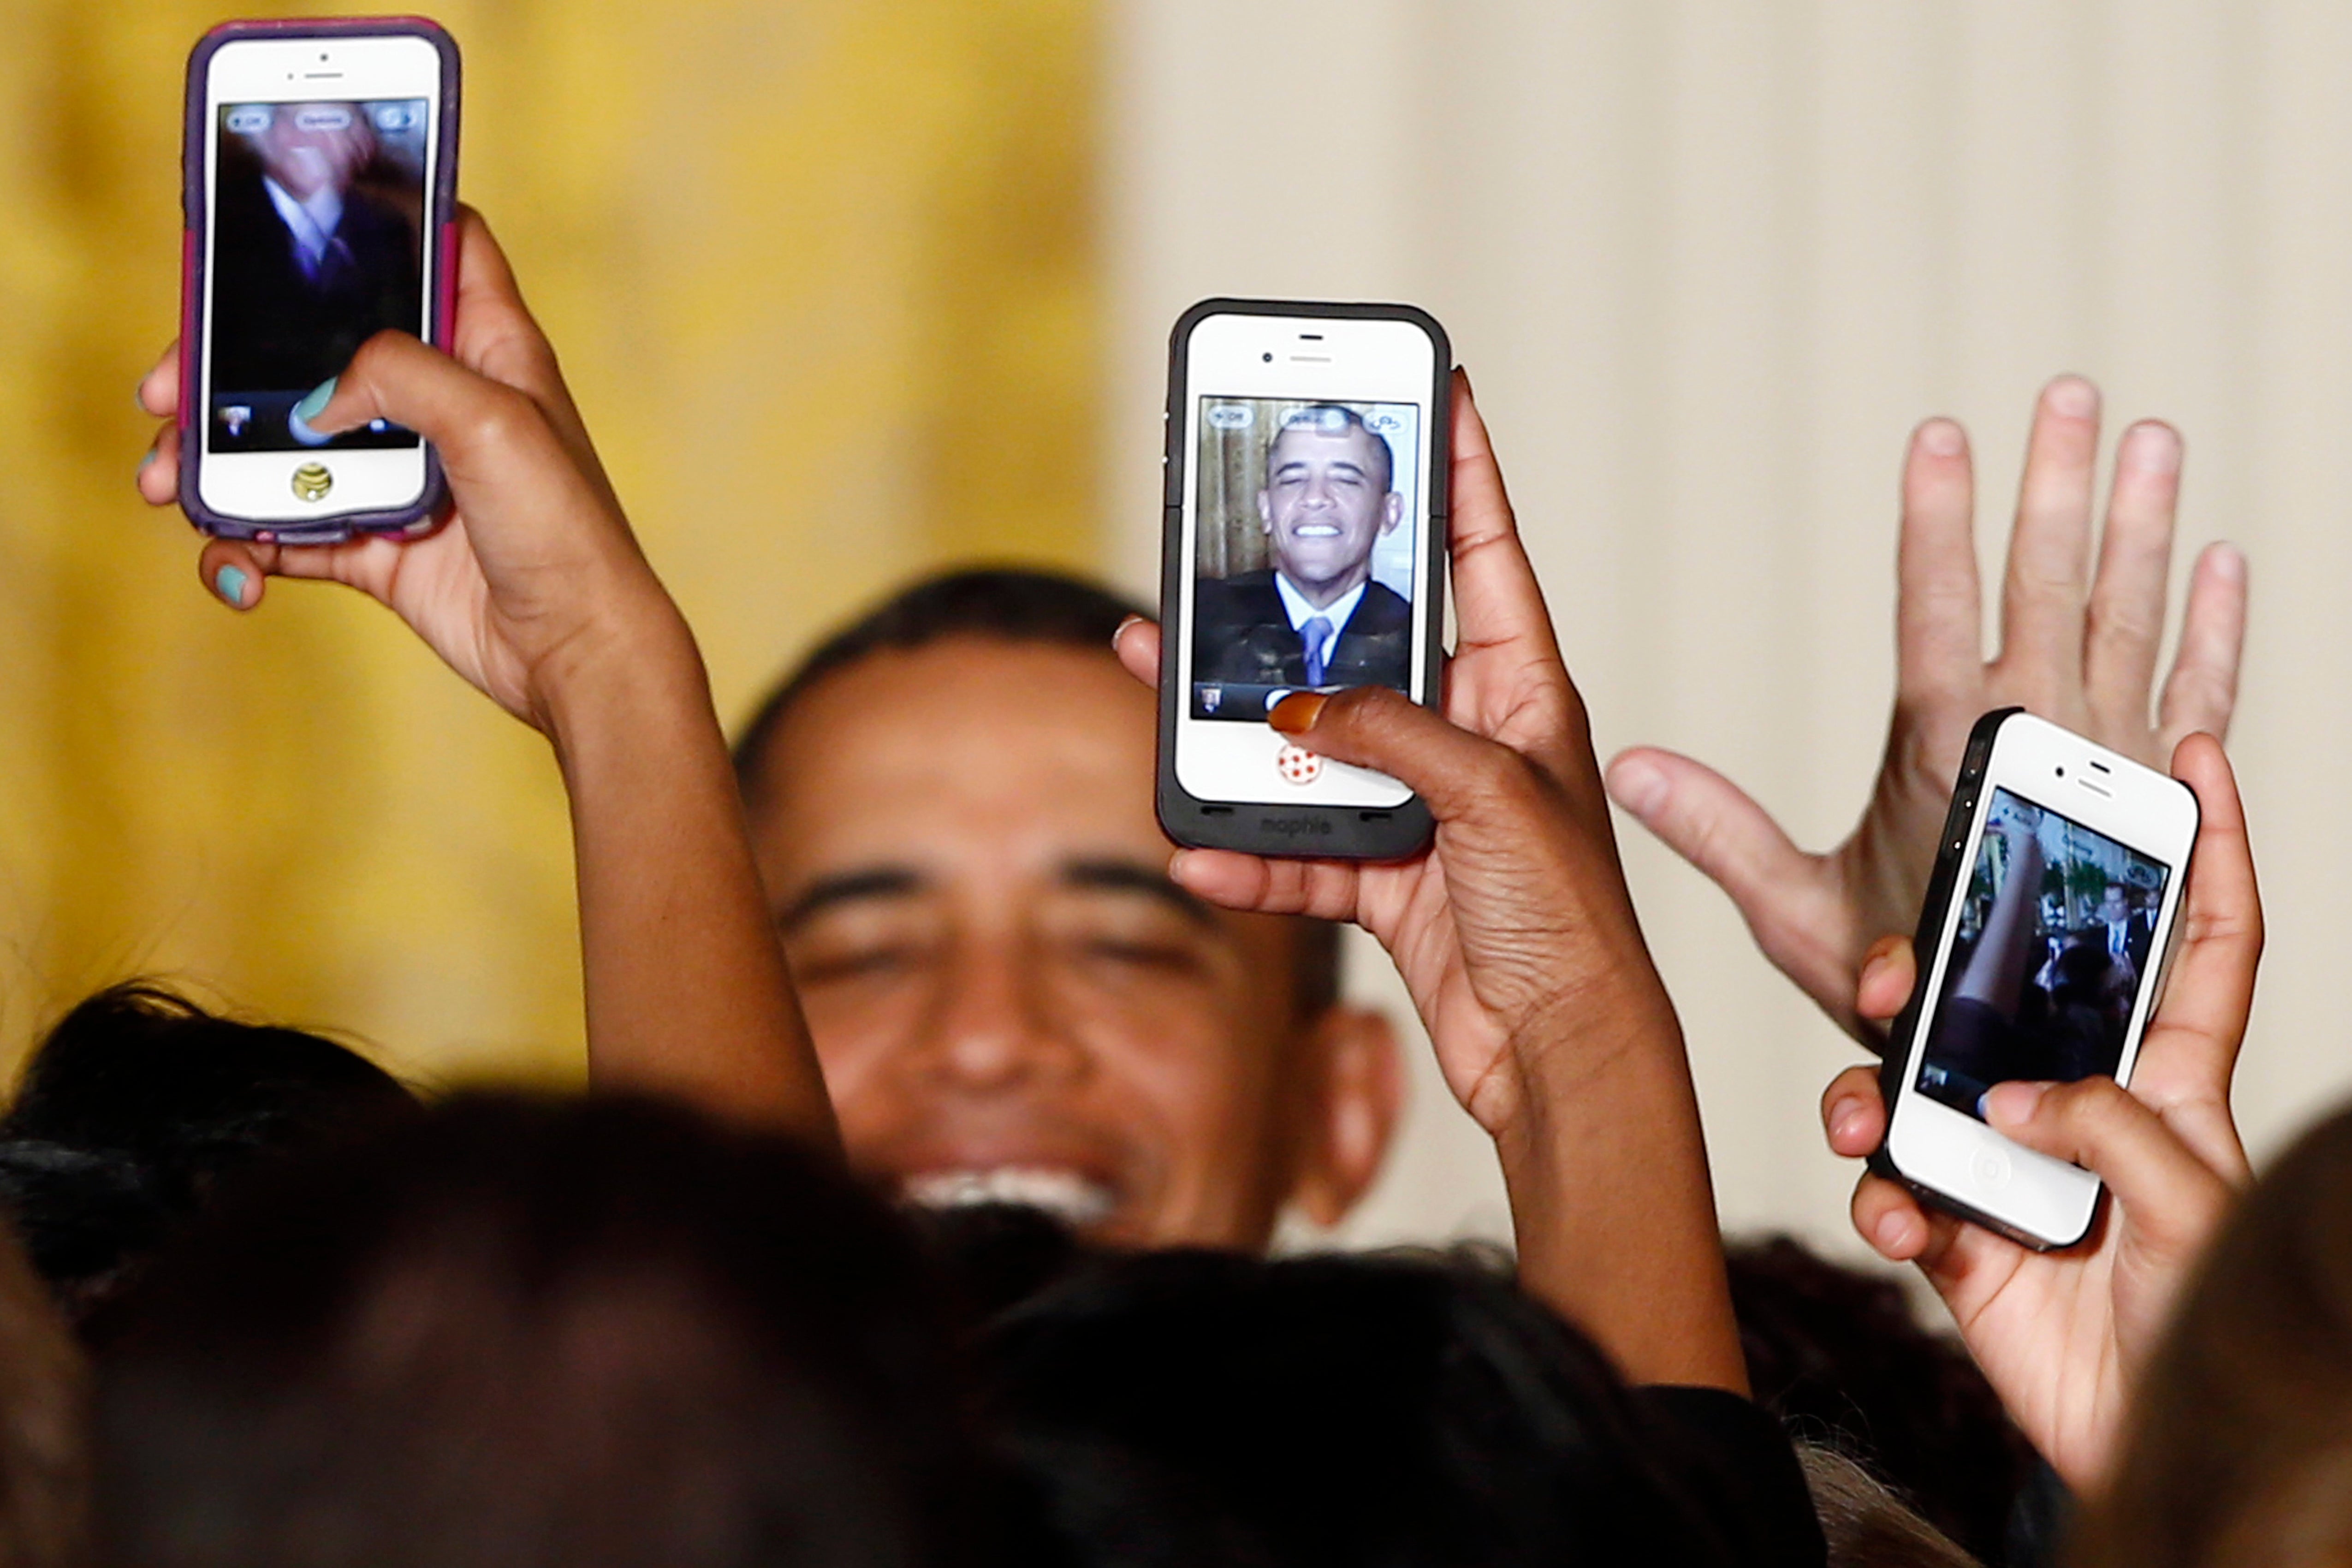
point(1497, 599)
point(496, 332)
point(159, 389)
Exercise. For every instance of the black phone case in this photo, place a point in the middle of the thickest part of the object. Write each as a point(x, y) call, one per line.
point(1270, 828)
point(1943, 887)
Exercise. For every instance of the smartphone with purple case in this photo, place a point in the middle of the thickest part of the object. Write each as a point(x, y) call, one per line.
point(320, 191)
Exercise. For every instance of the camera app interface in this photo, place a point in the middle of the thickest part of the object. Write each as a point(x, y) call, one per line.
point(318, 244)
point(1304, 571)
point(2056, 935)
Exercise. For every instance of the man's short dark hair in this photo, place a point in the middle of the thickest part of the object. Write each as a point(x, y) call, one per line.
point(1331, 419)
point(1006, 603)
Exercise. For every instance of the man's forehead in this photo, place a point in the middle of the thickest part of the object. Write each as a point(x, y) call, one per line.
point(1301, 441)
point(969, 749)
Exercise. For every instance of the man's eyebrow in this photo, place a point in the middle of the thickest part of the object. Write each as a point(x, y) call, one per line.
point(849, 887)
point(1128, 877)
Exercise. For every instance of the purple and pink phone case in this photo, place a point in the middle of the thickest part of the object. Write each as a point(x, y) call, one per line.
point(441, 214)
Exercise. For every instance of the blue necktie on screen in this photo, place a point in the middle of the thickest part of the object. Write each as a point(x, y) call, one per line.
point(1316, 634)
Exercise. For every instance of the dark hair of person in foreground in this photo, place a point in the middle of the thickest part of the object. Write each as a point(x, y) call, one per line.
point(44, 1424)
point(601, 1334)
point(139, 1105)
point(1841, 1357)
point(2238, 1447)
point(1195, 1406)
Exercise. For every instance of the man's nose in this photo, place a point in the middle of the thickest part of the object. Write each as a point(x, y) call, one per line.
point(993, 1030)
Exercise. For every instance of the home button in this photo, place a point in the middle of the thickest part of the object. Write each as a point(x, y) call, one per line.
point(1990, 1167)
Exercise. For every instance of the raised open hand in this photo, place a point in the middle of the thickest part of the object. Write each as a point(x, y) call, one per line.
point(2076, 650)
point(2062, 1335)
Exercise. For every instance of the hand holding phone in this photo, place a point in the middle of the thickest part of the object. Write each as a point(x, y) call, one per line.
point(1517, 937)
point(537, 594)
point(2062, 1334)
point(537, 571)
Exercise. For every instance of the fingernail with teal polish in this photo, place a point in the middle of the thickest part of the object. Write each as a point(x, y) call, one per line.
point(316, 399)
point(147, 457)
point(231, 581)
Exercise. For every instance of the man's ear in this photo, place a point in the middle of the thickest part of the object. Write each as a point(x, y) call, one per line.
point(1355, 1098)
point(1264, 512)
point(1394, 506)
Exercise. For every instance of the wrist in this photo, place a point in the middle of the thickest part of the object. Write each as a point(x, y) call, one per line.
point(630, 665)
point(1575, 1045)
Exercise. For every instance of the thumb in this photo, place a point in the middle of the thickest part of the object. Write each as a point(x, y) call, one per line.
point(1788, 898)
point(1381, 728)
point(1889, 971)
point(1708, 821)
point(2164, 1188)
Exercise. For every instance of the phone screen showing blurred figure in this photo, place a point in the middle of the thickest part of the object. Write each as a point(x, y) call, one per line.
point(2056, 938)
point(320, 179)
point(318, 244)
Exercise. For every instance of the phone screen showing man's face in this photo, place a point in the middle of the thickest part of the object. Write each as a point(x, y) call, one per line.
point(2056, 937)
point(1305, 569)
point(317, 244)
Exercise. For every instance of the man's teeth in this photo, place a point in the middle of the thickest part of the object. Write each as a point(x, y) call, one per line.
point(1063, 1193)
point(1316, 530)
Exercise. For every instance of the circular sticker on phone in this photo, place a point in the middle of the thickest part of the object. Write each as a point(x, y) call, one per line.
point(1297, 765)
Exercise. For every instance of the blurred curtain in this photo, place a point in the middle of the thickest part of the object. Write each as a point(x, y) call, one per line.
point(822, 273)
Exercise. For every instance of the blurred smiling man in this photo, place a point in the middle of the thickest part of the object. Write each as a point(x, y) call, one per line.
point(951, 804)
point(1317, 617)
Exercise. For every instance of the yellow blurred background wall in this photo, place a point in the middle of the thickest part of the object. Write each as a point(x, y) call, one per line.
point(822, 273)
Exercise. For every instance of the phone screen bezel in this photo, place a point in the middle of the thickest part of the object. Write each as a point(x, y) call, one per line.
point(257, 486)
point(2029, 1193)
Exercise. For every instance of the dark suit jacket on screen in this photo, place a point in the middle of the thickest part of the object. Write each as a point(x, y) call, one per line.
point(1240, 636)
point(275, 330)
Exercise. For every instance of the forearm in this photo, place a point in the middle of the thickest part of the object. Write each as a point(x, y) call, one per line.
point(1611, 1202)
point(1997, 969)
point(687, 992)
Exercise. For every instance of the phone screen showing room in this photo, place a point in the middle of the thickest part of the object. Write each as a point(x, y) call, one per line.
point(2057, 934)
point(317, 244)
point(1307, 544)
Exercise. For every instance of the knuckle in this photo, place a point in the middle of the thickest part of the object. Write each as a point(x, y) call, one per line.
point(2094, 1105)
point(504, 418)
point(368, 362)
